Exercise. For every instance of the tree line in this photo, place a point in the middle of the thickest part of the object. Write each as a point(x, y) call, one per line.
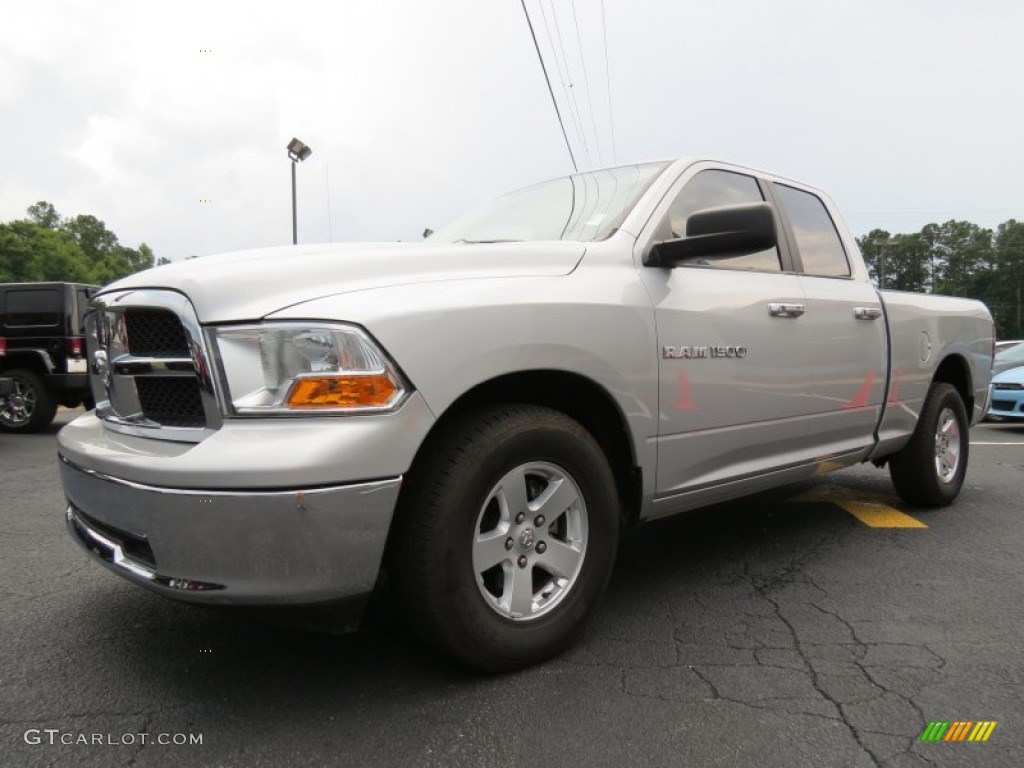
point(79, 249)
point(957, 258)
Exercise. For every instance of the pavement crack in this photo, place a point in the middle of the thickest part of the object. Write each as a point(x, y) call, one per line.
point(771, 705)
point(864, 668)
point(715, 694)
point(142, 742)
point(762, 590)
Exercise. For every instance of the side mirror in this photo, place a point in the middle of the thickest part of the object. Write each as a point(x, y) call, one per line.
point(733, 230)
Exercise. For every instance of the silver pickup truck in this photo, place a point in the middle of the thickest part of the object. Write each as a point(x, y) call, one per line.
point(481, 414)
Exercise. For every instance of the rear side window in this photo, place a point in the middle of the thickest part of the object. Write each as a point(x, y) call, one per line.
point(33, 307)
point(83, 295)
point(817, 240)
point(714, 189)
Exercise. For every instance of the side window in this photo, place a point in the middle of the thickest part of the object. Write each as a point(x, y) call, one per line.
point(82, 296)
point(33, 307)
point(713, 189)
point(817, 240)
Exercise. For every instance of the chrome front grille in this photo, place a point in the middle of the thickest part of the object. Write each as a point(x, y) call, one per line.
point(155, 333)
point(171, 401)
point(150, 370)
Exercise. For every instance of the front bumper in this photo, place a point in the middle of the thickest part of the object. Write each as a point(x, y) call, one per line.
point(1006, 403)
point(283, 547)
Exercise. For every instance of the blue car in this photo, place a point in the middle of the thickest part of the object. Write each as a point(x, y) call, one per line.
point(1008, 395)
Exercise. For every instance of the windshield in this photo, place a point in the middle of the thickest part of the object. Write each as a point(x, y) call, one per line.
point(586, 206)
point(1013, 354)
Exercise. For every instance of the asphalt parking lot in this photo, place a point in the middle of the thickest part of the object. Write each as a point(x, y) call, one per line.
point(822, 625)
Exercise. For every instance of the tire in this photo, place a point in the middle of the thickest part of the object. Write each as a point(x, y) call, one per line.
point(491, 588)
point(31, 407)
point(929, 471)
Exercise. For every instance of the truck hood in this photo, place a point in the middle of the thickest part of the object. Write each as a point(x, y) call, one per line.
point(248, 285)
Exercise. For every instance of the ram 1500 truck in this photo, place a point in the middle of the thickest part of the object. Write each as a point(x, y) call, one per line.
point(482, 413)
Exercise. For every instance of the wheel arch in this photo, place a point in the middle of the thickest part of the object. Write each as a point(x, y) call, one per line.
point(573, 394)
point(954, 370)
point(35, 360)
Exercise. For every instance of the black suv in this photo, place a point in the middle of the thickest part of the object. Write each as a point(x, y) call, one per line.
point(42, 349)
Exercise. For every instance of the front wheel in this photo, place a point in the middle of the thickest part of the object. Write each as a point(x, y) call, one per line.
point(506, 537)
point(929, 471)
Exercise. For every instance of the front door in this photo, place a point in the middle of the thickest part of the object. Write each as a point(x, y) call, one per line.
point(733, 364)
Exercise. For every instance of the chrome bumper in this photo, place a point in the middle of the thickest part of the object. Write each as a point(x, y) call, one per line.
point(287, 547)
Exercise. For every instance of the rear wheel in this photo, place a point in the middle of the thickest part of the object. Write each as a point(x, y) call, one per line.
point(506, 537)
point(929, 471)
point(29, 408)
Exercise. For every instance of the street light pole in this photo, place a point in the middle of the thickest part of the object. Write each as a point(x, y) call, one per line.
point(297, 152)
point(295, 225)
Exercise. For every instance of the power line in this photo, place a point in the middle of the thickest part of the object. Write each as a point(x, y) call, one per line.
point(608, 82)
point(586, 80)
point(550, 89)
point(563, 76)
point(572, 92)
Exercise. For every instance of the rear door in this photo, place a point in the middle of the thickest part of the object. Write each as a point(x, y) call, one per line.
point(844, 324)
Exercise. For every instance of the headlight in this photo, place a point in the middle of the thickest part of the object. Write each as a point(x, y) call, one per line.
point(290, 368)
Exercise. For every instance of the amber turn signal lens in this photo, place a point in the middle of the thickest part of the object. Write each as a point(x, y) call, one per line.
point(351, 391)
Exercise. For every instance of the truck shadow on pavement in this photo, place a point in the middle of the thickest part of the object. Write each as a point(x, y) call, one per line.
point(197, 653)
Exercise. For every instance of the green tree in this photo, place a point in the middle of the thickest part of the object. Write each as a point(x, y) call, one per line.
point(958, 251)
point(92, 235)
point(1007, 289)
point(31, 252)
point(80, 249)
point(45, 214)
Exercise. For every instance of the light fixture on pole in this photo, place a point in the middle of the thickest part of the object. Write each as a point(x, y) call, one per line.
point(297, 152)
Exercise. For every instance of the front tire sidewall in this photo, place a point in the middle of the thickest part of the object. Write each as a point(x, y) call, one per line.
point(526, 638)
point(471, 630)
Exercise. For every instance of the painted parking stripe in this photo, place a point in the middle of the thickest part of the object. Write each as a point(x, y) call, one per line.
point(975, 442)
point(880, 515)
point(873, 510)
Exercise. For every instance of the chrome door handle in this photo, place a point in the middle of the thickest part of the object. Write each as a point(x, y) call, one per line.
point(786, 310)
point(867, 313)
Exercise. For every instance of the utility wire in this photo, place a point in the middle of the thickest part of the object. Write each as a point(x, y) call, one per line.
point(550, 89)
point(586, 80)
point(562, 71)
point(608, 82)
point(572, 92)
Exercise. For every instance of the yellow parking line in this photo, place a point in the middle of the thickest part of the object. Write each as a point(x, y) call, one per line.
point(870, 509)
point(880, 515)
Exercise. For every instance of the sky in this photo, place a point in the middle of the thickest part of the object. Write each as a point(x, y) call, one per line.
point(169, 121)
